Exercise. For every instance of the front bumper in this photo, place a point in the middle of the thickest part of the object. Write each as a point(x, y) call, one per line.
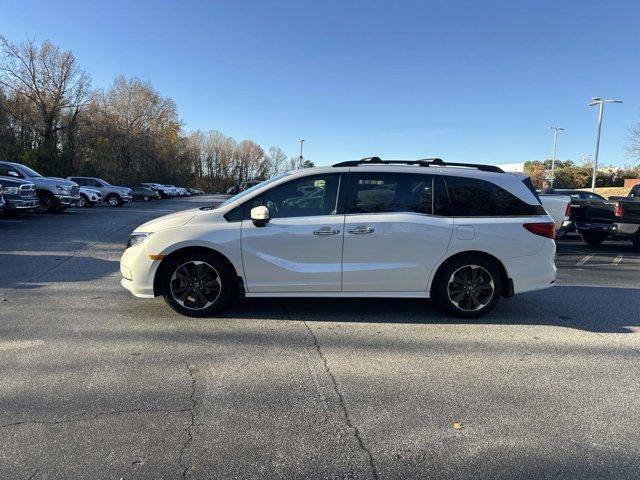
point(127, 199)
point(21, 204)
point(68, 200)
point(138, 272)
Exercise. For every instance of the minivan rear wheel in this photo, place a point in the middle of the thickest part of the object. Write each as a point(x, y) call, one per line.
point(468, 287)
point(197, 284)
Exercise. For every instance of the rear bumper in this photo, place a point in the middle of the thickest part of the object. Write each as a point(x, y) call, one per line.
point(625, 229)
point(533, 272)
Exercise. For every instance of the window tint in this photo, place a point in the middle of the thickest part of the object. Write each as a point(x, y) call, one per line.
point(389, 192)
point(302, 197)
point(472, 197)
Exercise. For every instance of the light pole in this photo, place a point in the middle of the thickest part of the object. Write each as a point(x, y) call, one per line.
point(553, 158)
point(300, 159)
point(600, 102)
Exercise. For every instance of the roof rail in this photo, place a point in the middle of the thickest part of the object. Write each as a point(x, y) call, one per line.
point(422, 162)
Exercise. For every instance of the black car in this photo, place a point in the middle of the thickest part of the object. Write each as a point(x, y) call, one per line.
point(19, 195)
point(143, 192)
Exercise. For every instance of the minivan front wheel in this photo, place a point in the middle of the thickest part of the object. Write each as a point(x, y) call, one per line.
point(468, 287)
point(197, 284)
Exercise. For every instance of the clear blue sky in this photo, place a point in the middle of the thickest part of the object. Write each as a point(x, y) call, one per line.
point(465, 80)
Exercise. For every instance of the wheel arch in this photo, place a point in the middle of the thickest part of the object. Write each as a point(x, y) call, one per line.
point(157, 279)
point(507, 283)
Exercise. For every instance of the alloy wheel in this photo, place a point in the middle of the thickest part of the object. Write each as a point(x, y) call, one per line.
point(470, 288)
point(195, 285)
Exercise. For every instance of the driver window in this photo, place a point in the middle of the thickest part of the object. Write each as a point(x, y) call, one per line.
point(9, 172)
point(302, 197)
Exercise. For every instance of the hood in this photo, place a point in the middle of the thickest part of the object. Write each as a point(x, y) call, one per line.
point(56, 181)
point(121, 189)
point(172, 220)
point(12, 182)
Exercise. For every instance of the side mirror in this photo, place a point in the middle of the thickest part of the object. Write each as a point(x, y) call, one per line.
point(13, 174)
point(260, 216)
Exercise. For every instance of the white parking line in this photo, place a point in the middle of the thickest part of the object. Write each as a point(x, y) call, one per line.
point(4, 220)
point(583, 261)
point(617, 260)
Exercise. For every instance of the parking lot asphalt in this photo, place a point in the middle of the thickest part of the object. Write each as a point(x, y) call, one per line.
point(95, 383)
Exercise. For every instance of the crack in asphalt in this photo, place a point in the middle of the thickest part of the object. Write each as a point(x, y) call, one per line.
point(192, 412)
point(33, 475)
point(83, 417)
point(343, 405)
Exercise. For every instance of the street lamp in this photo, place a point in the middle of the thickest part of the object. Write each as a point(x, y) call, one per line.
point(301, 142)
point(553, 158)
point(600, 102)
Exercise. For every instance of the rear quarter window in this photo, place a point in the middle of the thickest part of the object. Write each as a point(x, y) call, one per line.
point(473, 197)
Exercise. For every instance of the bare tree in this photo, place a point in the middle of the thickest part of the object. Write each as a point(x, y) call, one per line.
point(54, 86)
point(278, 161)
point(633, 146)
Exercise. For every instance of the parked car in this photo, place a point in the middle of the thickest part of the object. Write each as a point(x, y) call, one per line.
point(114, 195)
point(140, 192)
point(2, 204)
point(462, 234)
point(183, 192)
point(195, 191)
point(248, 184)
point(89, 197)
point(54, 194)
point(18, 195)
point(171, 190)
point(591, 215)
point(158, 187)
point(233, 190)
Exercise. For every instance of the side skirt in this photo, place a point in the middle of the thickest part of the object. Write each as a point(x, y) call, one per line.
point(338, 294)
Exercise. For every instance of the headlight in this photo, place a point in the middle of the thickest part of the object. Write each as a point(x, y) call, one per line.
point(137, 239)
point(9, 190)
point(63, 188)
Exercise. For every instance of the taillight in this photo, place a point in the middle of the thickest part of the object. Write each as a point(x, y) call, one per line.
point(546, 229)
point(618, 211)
point(567, 211)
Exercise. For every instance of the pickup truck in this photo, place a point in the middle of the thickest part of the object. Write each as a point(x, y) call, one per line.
point(115, 196)
point(626, 225)
point(591, 215)
point(557, 206)
point(19, 195)
point(55, 194)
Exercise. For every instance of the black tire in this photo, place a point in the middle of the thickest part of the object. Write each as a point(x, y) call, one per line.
point(83, 202)
point(593, 238)
point(114, 200)
point(453, 288)
point(184, 290)
point(636, 241)
point(48, 203)
point(146, 198)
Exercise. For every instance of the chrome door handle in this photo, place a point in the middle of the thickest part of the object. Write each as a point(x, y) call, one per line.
point(324, 231)
point(361, 230)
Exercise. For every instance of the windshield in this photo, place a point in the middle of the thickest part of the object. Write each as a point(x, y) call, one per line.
point(104, 184)
point(29, 172)
point(252, 189)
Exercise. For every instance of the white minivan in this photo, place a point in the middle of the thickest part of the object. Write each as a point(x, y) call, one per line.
point(462, 234)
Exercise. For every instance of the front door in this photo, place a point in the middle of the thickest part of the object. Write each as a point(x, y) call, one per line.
point(300, 248)
point(392, 240)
